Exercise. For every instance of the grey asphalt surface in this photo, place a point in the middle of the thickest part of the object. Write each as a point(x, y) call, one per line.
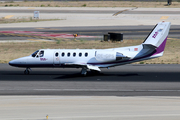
point(129, 32)
point(86, 11)
point(127, 80)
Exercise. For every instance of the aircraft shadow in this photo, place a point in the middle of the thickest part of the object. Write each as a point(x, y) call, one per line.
point(89, 75)
point(103, 76)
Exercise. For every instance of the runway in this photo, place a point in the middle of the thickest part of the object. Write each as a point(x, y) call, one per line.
point(127, 80)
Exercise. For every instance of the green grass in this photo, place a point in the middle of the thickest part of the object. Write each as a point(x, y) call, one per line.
point(84, 5)
point(58, 41)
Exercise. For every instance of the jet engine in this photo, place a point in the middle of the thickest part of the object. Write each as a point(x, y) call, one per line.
point(106, 56)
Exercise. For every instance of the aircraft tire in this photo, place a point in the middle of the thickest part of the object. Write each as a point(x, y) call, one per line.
point(26, 72)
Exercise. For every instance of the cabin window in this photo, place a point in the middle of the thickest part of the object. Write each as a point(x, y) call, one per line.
point(41, 53)
point(80, 54)
point(74, 54)
point(68, 54)
point(57, 54)
point(35, 53)
point(86, 54)
point(62, 54)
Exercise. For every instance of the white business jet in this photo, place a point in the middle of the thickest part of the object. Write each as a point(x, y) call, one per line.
point(94, 59)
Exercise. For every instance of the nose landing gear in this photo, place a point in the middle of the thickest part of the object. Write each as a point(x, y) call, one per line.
point(26, 72)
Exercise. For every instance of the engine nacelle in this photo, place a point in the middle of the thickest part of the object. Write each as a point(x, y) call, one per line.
point(106, 56)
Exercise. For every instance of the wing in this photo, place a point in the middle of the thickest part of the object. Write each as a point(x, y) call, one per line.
point(93, 67)
point(87, 66)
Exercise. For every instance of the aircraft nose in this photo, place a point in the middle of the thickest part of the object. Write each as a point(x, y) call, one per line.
point(20, 62)
point(13, 63)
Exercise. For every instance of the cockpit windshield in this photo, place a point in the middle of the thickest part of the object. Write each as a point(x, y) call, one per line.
point(35, 53)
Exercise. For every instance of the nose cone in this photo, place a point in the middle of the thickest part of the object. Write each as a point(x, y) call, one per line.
point(20, 62)
point(12, 63)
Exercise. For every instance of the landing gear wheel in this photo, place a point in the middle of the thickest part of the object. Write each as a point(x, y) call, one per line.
point(84, 74)
point(26, 72)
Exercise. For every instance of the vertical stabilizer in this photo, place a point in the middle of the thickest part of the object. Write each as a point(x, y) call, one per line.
point(159, 35)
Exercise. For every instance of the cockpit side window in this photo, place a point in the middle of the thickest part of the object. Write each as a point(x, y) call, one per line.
point(41, 53)
point(35, 53)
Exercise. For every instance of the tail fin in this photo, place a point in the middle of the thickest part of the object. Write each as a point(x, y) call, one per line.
point(158, 36)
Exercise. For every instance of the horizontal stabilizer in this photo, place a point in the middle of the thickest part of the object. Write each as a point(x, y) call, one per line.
point(120, 55)
point(149, 46)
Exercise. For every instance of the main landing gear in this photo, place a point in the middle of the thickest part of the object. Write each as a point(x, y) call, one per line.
point(84, 71)
point(26, 72)
point(92, 72)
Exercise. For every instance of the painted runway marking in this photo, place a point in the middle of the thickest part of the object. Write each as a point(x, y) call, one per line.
point(46, 34)
point(62, 35)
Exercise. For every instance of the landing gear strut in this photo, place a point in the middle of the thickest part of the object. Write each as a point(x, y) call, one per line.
point(84, 71)
point(26, 72)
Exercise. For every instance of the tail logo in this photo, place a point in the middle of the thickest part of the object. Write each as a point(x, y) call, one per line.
point(154, 36)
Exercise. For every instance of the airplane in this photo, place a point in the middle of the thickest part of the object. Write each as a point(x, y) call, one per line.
point(94, 59)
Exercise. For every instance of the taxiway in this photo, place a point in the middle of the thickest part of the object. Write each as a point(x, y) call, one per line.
point(127, 80)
